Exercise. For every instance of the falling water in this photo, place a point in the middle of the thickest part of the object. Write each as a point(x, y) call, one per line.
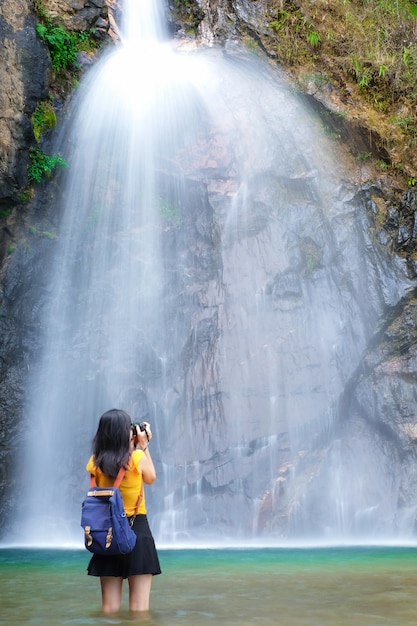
point(208, 275)
point(133, 112)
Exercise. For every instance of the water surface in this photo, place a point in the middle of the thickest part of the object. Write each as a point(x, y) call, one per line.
point(327, 586)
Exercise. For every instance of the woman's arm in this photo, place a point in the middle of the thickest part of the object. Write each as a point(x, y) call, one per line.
point(146, 463)
point(147, 467)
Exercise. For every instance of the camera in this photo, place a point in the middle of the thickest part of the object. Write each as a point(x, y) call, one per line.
point(136, 427)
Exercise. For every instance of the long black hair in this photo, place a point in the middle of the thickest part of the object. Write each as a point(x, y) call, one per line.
point(111, 443)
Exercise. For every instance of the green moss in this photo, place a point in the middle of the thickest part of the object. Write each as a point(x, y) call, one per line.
point(5, 212)
point(189, 13)
point(170, 212)
point(44, 117)
point(42, 233)
point(26, 195)
point(312, 255)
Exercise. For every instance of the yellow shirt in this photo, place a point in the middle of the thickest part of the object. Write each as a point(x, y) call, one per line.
point(130, 485)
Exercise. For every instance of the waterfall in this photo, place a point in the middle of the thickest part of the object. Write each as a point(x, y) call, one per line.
point(208, 275)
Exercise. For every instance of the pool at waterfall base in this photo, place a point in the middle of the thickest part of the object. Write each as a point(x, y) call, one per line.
point(328, 586)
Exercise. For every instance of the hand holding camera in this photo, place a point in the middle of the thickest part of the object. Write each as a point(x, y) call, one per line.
point(141, 434)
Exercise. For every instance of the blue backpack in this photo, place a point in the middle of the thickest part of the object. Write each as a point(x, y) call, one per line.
point(107, 530)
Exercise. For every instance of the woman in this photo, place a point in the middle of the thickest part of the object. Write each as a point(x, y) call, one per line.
point(118, 443)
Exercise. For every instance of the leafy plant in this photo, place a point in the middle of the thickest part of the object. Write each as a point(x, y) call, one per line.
point(278, 23)
point(61, 44)
point(313, 38)
point(85, 41)
point(382, 70)
point(252, 44)
point(362, 73)
point(407, 56)
point(408, 125)
point(363, 156)
point(381, 164)
point(42, 164)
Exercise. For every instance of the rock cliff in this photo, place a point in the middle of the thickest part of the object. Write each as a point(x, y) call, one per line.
point(26, 78)
point(376, 405)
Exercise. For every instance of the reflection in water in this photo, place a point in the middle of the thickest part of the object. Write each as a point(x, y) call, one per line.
point(333, 586)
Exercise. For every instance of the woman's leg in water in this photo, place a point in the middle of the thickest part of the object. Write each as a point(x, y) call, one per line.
point(139, 592)
point(111, 593)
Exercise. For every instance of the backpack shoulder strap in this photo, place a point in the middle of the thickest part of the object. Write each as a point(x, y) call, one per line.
point(139, 500)
point(117, 482)
point(119, 477)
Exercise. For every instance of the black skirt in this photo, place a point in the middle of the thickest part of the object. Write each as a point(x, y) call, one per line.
point(142, 560)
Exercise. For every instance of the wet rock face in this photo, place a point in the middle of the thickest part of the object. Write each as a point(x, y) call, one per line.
point(75, 14)
point(25, 76)
point(250, 475)
point(79, 14)
point(84, 15)
point(215, 22)
point(375, 437)
point(24, 67)
point(25, 73)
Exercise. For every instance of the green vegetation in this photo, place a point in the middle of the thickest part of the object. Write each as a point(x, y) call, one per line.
point(313, 38)
point(44, 117)
point(368, 51)
point(5, 212)
point(293, 26)
point(63, 45)
point(41, 164)
point(363, 156)
point(251, 44)
point(42, 233)
point(170, 211)
point(26, 195)
point(312, 255)
point(189, 13)
point(372, 42)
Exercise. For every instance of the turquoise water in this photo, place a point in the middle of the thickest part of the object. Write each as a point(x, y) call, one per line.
point(323, 586)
